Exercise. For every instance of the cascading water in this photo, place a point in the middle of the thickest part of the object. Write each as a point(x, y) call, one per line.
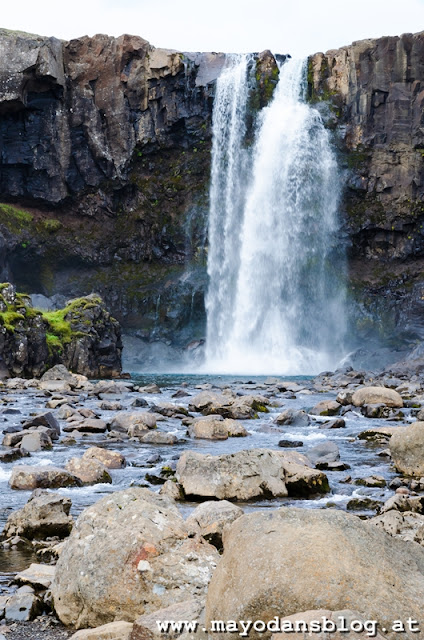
point(275, 302)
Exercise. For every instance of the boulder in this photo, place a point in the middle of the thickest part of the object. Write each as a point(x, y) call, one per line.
point(208, 428)
point(124, 421)
point(91, 425)
point(376, 410)
point(209, 519)
point(400, 502)
point(248, 474)
point(280, 562)
point(139, 401)
point(89, 470)
point(323, 452)
point(215, 427)
point(44, 515)
point(36, 441)
point(46, 419)
point(150, 388)
point(338, 423)
point(55, 386)
point(342, 625)
point(379, 433)
point(158, 437)
point(146, 626)
point(408, 525)
point(13, 439)
point(128, 555)
point(169, 410)
point(112, 631)
point(326, 408)
point(110, 459)
point(228, 406)
point(113, 406)
point(60, 372)
point(407, 450)
point(205, 399)
point(172, 490)
point(65, 412)
point(371, 481)
point(377, 395)
point(293, 417)
point(38, 576)
point(235, 428)
point(23, 607)
point(13, 454)
point(109, 387)
point(344, 397)
point(29, 478)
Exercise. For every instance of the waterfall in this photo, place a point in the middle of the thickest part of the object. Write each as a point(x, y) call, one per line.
point(275, 302)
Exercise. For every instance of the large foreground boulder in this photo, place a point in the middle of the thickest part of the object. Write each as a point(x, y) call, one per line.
point(129, 554)
point(45, 515)
point(210, 518)
point(407, 449)
point(290, 560)
point(248, 474)
point(333, 625)
point(112, 631)
point(377, 395)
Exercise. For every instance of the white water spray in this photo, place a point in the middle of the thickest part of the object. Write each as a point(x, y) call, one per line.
point(275, 303)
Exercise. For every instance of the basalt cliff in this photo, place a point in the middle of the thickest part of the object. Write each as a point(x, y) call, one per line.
point(372, 95)
point(104, 174)
point(105, 147)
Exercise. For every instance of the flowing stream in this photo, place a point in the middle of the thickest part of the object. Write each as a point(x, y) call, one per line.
point(275, 302)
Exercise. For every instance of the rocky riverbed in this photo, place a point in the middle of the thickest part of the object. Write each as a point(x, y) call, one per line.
point(159, 449)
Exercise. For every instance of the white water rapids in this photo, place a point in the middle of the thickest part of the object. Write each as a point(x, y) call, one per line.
point(275, 303)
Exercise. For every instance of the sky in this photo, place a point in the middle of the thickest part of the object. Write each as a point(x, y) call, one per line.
point(298, 27)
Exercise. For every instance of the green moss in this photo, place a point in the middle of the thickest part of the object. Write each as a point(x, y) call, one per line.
point(51, 225)
point(54, 345)
point(10, 319)
point(59, 327)
point(16, 220)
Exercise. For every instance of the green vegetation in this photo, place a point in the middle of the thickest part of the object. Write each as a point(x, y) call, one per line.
point(59, 327)
point(59, 330)
point(51, 225)
point(16, 220)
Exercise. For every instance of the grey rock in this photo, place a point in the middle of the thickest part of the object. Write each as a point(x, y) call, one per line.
point(45, 514)
point(269, 558)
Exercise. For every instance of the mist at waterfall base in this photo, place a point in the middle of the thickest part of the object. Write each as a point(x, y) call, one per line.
point(275, 303)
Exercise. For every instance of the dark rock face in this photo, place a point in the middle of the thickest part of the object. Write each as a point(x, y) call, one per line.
point(375, 93)
point(105, 162)
point(83, 336)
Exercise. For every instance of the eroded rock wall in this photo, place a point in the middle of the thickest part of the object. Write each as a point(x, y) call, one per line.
point(375, 93)
point(104, 173)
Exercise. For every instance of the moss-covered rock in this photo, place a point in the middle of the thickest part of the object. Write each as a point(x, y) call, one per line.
point(83, 336)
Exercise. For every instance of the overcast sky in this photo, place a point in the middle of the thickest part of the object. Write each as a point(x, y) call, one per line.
point(299, 27)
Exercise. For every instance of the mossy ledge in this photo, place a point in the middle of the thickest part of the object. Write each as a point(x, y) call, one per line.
point(83, 336)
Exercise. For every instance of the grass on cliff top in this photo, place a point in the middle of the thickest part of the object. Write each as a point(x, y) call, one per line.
point(11, 33)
